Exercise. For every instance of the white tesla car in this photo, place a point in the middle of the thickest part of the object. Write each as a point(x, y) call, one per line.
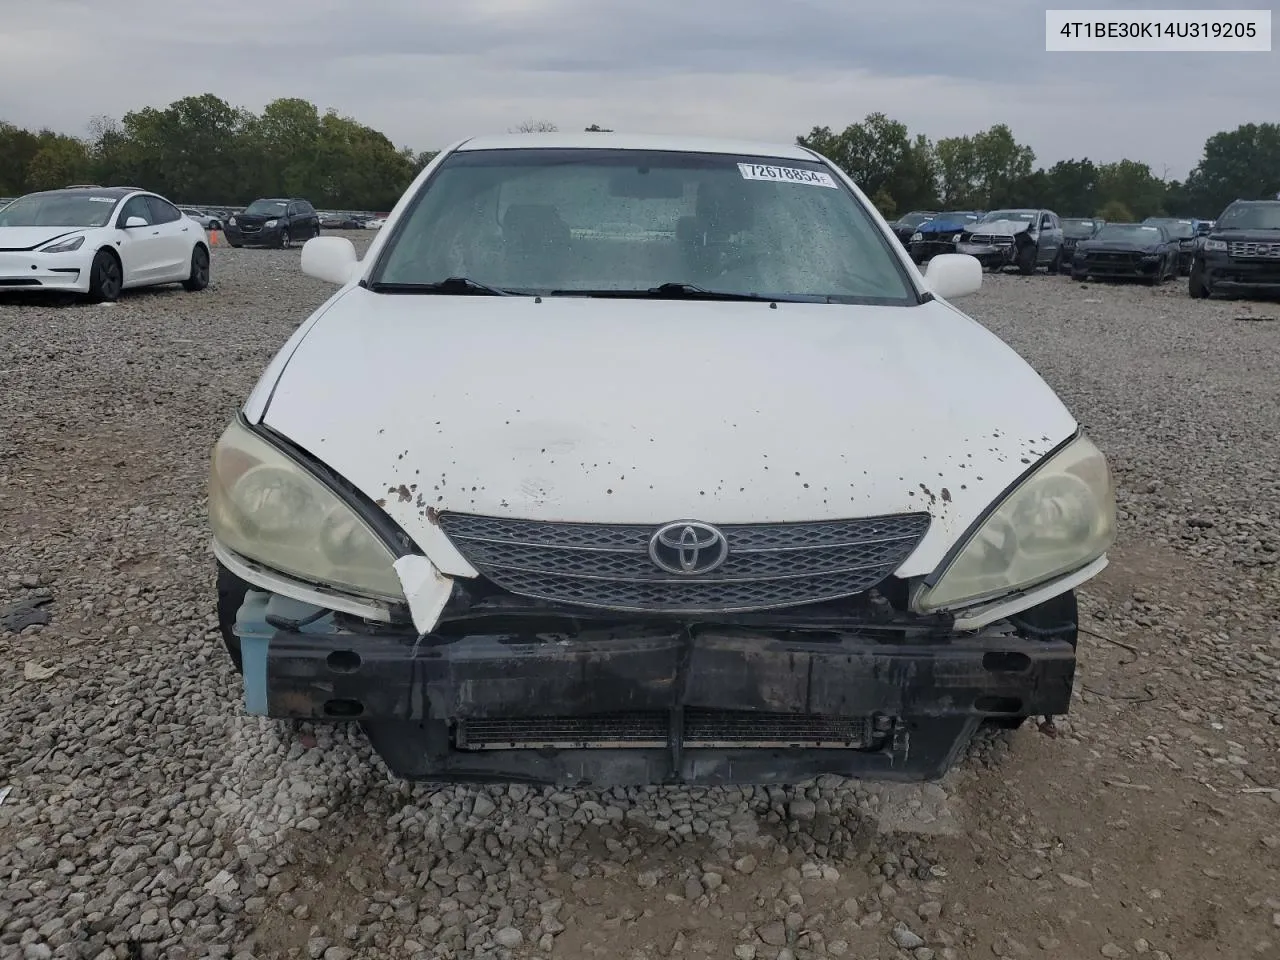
point(625, 459)
point(99, 241)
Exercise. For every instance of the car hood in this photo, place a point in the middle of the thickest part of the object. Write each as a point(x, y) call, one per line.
point(633, 411)
point(999, 228)
point(28, 238)
point(945, 226)
point(1245, 236)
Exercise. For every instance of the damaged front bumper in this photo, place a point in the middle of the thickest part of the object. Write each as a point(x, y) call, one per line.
point(990, 254)
point(585, 700)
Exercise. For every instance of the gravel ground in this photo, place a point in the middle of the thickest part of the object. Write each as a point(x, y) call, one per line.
point(144, 816)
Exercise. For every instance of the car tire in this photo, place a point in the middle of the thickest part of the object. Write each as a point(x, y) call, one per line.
point(1055, 265)
point(198, 279)
point(106, 278)
point(1197, 288)
point(231, 592)
point(1027, 257)
point(286, 241)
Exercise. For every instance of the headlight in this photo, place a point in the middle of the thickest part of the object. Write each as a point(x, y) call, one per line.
point(1060, 518)
point(917, 236)
point(267, 508)
point(1215, 245)
point(955, 238)
point(271, 223)
point(65, 246)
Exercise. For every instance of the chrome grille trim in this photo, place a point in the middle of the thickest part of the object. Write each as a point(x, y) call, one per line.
point(998, 240)
point(1247, 249)
point(608, 565)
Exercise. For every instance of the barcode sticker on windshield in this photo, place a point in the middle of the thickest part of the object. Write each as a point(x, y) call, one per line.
point(758, 171)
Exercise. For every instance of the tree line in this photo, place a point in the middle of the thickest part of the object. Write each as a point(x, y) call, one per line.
point(990, 169)
point(203, 149)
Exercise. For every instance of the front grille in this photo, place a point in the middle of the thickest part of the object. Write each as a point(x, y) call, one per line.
point(705, 729)
point(608, 565)
point(250, 228)
point(987, 238)
point(1131, 259)
point(1248, 250)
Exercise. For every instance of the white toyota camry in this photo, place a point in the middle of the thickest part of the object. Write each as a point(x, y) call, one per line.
point(99, 241)
point(625, 459)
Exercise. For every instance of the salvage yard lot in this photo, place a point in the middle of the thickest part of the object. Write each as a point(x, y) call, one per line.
point(147, 817)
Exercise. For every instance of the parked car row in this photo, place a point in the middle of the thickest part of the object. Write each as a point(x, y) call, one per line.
point(1239, 252)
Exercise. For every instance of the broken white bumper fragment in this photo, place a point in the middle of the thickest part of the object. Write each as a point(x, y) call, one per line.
point(426, 590)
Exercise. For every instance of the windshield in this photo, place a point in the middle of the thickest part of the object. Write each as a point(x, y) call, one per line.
point(994, 215)
point(1130, 233)
point(1178, 229)
point(266, 208)
point(1079, 229)
point(58, 210)
point(1251, 216)
point(621, 222)
point(915, 218)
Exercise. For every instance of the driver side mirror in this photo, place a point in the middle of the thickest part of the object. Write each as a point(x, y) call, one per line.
point(133, 223)
point(951, 275)
point(330, 258)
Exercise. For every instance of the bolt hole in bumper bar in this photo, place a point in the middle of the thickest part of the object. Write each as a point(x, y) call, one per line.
point(647, 703)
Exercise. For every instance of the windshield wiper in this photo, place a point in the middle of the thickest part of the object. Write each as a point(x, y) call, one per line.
point(450, 285)
point(684, 291)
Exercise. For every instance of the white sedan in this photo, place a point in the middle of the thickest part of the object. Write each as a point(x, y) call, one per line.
point(99, 241)
point(666, 465)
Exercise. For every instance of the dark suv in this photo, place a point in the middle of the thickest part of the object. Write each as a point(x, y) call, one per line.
point(275, 222)
point(1241, 254)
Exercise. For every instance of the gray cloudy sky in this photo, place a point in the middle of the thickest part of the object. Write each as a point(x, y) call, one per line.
point(427, 73)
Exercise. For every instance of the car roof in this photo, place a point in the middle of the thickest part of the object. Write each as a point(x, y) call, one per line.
point(115, 193)
point(635, 141)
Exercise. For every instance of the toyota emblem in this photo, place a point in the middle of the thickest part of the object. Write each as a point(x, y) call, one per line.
point(688, 548)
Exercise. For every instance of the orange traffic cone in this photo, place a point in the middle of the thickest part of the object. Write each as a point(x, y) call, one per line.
point(215, 237)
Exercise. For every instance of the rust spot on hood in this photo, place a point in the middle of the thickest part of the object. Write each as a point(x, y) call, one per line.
point(433, 516)
point(403, 493)
point(946, 495)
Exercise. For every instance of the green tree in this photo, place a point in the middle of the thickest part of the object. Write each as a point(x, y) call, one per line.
point(959, 179)
point(878, 153)
point(1243, 163)
point(883, 201)
point(1132, 184)
point(1071, 187)
point(1114, 211)
point(60, 160)
point(17, 148)
point(1003, 166)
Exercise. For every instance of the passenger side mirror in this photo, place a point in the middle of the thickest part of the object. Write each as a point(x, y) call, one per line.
point(330, 258)
point(951, 275)
point(133, 223)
